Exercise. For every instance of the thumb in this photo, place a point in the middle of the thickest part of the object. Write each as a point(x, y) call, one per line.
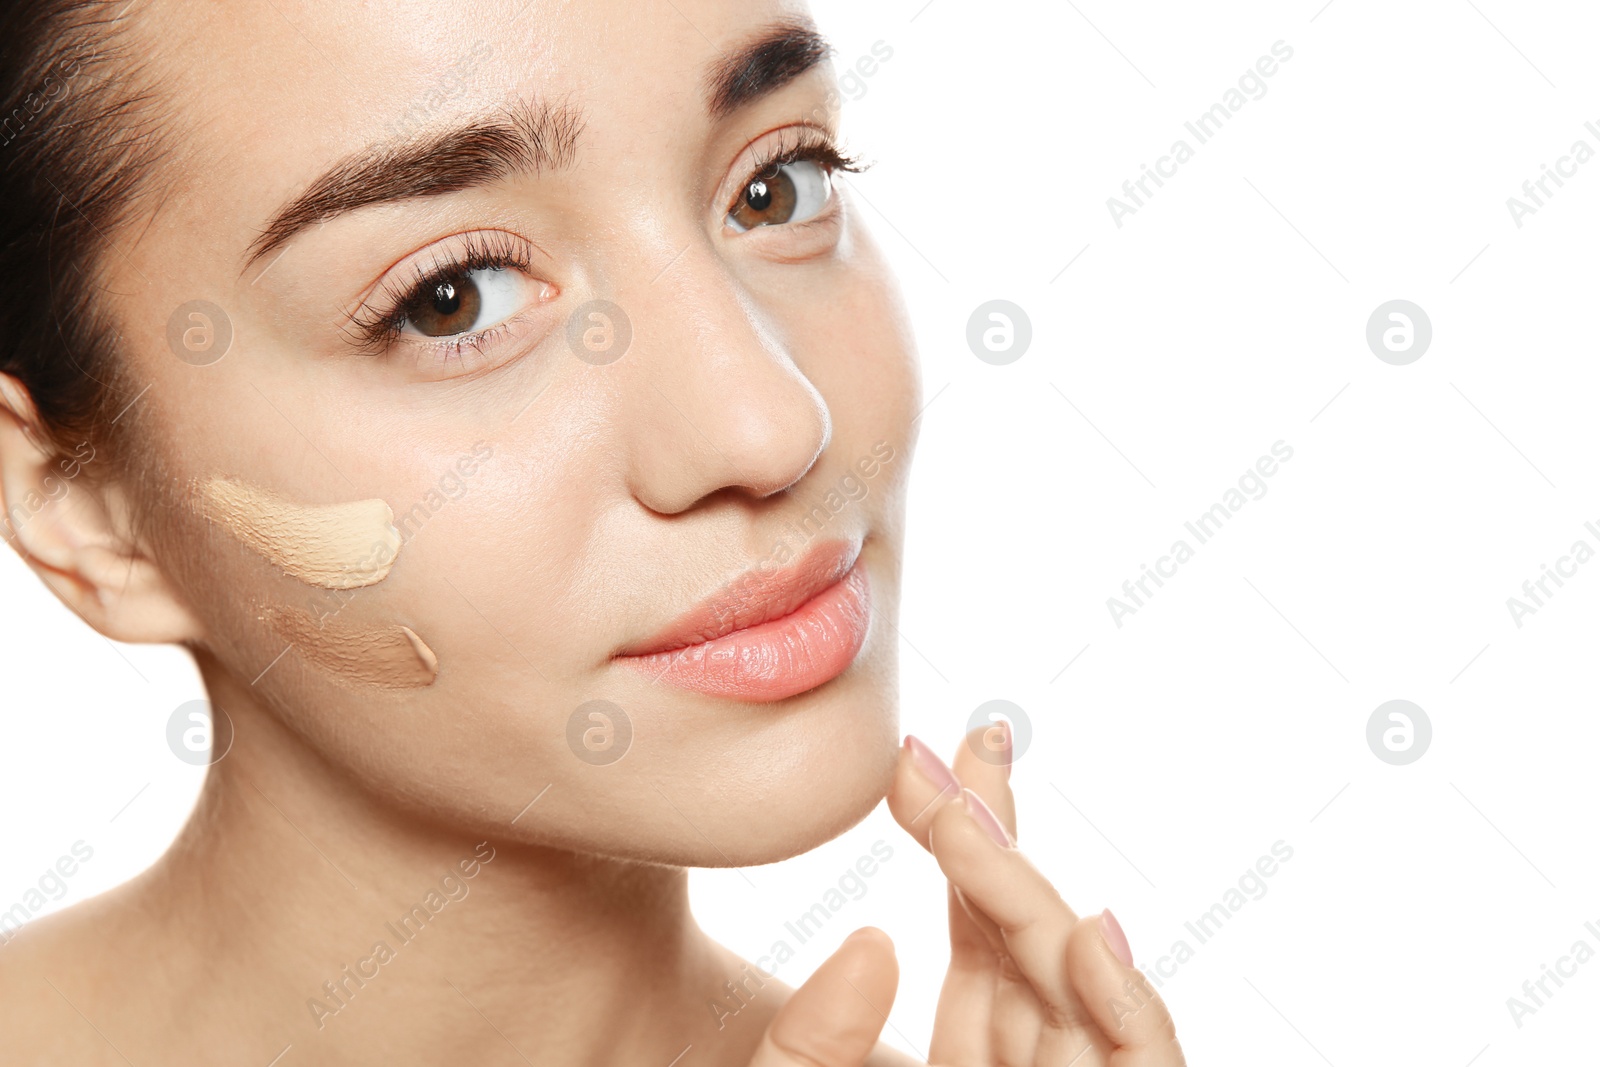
point(834, 1019)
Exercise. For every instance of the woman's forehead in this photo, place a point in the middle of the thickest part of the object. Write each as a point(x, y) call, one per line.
point(382, 93)
point(391, 65)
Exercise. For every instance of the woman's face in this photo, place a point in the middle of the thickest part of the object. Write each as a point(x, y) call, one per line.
point(683, 405)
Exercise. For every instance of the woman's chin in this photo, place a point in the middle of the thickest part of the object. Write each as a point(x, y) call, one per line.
point(785, 829)
point(782, 782)
point(824, 772)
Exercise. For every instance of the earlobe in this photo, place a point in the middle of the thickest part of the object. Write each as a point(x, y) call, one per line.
point(62, 523)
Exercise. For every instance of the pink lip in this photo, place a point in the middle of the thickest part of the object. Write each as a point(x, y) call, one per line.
point(767, 636)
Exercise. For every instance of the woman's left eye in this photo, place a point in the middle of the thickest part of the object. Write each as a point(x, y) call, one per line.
point(464, 302)
point(792, 192)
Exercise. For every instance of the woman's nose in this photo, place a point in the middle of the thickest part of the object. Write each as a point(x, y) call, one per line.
point(716, 400)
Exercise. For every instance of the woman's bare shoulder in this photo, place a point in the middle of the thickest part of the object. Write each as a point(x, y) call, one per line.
point(50, 970)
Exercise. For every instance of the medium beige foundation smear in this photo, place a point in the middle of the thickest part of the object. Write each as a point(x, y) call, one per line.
point(388, 657)
point(336, 546)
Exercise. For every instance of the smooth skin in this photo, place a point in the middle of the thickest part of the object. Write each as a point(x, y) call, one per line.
point(764, 365)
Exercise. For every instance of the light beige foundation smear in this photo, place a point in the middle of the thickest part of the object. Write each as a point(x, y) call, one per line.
point(336, 546)
point(388, 657)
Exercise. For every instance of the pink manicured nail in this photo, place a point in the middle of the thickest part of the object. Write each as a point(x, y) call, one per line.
point(931, 766)
point(985, 818)
point(1111, 930)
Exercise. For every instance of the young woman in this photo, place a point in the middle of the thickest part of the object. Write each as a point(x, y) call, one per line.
point(512, 415)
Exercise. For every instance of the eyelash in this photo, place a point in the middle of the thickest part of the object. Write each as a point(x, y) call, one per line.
point(810, 145)
point(379, 323)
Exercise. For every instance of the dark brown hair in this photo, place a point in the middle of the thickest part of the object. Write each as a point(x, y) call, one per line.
point(78, 143)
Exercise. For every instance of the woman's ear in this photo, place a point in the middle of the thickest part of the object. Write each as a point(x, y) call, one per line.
point(72, 529)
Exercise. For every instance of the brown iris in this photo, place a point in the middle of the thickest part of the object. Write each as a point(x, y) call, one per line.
point(767, 201)
point(447, 308)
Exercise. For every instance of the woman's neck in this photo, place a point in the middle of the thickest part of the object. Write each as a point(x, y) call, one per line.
point(296, 910)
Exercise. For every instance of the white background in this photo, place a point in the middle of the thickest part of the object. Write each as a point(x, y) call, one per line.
point(1229, 712)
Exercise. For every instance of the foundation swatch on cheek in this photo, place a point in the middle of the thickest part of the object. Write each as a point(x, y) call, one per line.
point(336, 546)
point(386, 657)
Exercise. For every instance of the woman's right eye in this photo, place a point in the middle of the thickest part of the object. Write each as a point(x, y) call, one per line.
point(466, 301)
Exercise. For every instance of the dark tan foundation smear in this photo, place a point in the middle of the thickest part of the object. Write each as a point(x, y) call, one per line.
point(388, 657)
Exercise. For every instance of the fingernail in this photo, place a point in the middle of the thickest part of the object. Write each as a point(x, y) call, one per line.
point(1111, 930)
point(980, 813)
point(931, 766)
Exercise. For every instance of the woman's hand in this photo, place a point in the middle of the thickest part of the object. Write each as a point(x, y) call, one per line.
point(1029, 981)
point(834, 1019)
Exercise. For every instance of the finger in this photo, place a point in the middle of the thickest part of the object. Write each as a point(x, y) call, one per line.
point(1016, 1024)
point(983, 765)
point(962, 1023)
point(922, 785)
point(1119, 997)
point(982, 861)
point(834, 1019)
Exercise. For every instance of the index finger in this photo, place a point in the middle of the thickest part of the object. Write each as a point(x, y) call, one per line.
point(922, 785)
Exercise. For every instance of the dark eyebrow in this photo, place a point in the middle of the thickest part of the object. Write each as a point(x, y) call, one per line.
point(781, 54)
point(521, 138)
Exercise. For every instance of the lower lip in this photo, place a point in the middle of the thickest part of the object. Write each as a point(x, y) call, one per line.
point(778, 659)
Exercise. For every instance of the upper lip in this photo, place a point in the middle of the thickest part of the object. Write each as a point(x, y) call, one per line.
point(754, 596)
